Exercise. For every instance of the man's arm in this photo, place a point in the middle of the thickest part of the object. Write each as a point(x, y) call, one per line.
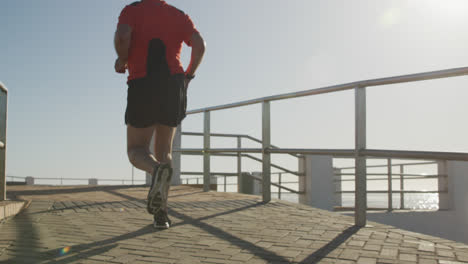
point(122, 39)
point(198, 50)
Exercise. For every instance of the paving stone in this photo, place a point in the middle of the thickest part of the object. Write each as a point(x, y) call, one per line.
point(367, 261)
point(110, 225)
point(408, 257)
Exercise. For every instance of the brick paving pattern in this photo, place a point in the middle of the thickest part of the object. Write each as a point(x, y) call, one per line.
point(109, 224)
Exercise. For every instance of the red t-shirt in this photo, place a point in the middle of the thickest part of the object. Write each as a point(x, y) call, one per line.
point(155, 19)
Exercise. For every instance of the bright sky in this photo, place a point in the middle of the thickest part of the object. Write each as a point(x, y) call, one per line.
point(66, 103)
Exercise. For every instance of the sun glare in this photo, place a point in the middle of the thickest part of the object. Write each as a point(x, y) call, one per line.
point(390, 17)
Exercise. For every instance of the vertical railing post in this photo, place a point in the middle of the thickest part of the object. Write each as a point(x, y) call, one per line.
point(390, 187)
point(402, 187)
point(224, 183)
point(133, 174)
point(279, 183)
point(177, 157)
point(206, 154)
point(239, 164)
point(338, 186)
point(361, 173)
point(3, 128)
point(266, 138)
point(444, 186)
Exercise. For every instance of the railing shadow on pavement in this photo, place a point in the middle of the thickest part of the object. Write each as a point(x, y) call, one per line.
point(14, 194)
point(87, 250)
point(83, 251)
point(332, 245)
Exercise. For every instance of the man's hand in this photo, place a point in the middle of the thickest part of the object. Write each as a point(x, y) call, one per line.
point(186, 83)
point(120, 65)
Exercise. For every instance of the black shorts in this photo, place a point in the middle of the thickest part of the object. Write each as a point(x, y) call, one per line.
point(153, 101)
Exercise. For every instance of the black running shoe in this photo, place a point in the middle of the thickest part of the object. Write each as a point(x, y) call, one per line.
point(158, 187)
point(161, 220)
point(166, 185)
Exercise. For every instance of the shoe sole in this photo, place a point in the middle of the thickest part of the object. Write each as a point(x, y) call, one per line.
point(165, 189)
point(156, 194)
point(160, 226)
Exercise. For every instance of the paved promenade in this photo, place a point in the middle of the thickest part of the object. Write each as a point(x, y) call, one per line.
point(110, 225)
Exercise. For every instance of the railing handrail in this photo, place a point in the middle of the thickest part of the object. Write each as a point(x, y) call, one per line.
point(233, 136)
point(3, 87)
point(393, 165)
point(342, 87)
point(406, 154)
point(71, 179)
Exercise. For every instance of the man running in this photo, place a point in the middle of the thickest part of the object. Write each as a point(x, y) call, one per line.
point(148, 42)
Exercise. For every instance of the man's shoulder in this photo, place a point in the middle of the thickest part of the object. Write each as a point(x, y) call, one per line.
point(135, 3)
point(131, 6)
point(174, 9)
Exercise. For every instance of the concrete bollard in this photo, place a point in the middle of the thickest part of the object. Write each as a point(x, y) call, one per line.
point(92, 181)
point(249, 185)
point(338, 187)
point(148, 179)
point(29, 180)
point(318, 186)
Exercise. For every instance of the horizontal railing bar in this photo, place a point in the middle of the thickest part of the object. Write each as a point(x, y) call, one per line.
point(3, 87)
point(331, 152)
point(213, 134)
point(274, 184)
point(250, 157)
point(233, 135)
point(329, 89)
point(344, 152)
point(220, 150)
point(415, 154)
point(274, 165)
point(273, 146)
point(73, 179)
point(393, 165)
point(396, 191)
point(213, 154)
point(395, 178)
point(399, 174)
point(342, 87)
point(70, 179)
point(424, 76)
point(212, 173)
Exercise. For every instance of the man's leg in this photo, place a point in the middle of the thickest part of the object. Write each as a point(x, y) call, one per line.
point(163, 143)
point(163, 151)
point(138, 141)
point(164, 135)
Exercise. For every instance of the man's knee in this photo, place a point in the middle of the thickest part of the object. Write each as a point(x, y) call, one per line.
point(164, 157)
point(135, 153)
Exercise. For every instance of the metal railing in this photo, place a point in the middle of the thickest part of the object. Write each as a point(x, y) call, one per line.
point(3, 142)
point(62, 180)
point(360, 152)
point(239, 156)
point(389, 176)
point(225, 175)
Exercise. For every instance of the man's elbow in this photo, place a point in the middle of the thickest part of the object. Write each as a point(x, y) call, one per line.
point(198, 43)
point(123, 33)
point(201, 47)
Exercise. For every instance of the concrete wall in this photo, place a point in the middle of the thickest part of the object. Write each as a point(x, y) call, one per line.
point(318, 182)
point(451, 223)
